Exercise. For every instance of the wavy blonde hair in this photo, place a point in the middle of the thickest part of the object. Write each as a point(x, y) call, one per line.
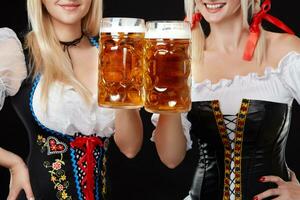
point(46, 54)
point(249, 8)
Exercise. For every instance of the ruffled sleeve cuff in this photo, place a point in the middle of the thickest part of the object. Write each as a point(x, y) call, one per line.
point(106, 116)
point(290, 74)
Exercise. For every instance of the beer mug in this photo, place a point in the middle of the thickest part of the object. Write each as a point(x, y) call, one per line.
point(167, 66)
point(120, 78)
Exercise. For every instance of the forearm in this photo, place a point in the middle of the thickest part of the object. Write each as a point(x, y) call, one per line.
point(128, 131)
point(9, 159)
point(169, 139)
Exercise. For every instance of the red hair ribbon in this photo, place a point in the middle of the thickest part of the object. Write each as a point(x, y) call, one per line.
point(255, 31)
point(88, 145)
point(196, 18)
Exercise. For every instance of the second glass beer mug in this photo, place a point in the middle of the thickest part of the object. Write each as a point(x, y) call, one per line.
point(120, 82)
point(167, 66)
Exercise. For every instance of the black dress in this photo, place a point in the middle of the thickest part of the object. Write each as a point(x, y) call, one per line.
point(261, 133)
point(61, 166)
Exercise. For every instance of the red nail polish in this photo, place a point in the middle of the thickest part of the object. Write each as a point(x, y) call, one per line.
point(255, 198)
point(262, 179)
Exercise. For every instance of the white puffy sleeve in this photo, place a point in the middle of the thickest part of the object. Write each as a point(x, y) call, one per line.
point(12, 64)
point(186, 125)
point(290, 74)
point(105, 121)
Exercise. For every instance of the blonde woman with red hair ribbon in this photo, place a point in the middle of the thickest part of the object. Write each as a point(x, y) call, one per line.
point(244, 80)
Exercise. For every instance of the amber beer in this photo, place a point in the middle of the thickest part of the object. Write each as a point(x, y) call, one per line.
point(120, 81)
point(167, 66)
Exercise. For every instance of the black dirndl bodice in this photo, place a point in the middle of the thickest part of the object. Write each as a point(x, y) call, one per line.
point(259, 149)
point(60, 166)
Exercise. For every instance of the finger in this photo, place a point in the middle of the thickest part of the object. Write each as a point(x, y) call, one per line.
point(279, 198)
point(13, 193)
point(267, 193)
point(28, 191)
point(293, 177)
point(273, 179)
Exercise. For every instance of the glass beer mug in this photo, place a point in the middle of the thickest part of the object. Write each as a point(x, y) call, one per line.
point(120, 81)
point(167, 66)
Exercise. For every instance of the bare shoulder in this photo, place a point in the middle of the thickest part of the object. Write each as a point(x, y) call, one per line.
point(283, 42)
point(279, 45)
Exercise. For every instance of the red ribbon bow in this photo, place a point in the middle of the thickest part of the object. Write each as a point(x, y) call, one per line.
point(196, 18)
point(88, 145)
point(255, 31)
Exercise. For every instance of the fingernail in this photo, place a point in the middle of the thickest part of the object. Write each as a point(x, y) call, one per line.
point(255, 198)
point(262, 179)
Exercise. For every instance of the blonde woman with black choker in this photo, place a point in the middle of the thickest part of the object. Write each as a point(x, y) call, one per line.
point(58, 105)
point(244, 80)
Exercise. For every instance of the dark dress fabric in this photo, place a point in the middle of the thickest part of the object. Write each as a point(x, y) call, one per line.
point(260, 139)
point(60, 166)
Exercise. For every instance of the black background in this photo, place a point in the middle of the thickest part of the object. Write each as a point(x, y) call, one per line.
point(143, 177)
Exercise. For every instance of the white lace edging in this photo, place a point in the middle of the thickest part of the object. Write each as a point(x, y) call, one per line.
point(283, 63)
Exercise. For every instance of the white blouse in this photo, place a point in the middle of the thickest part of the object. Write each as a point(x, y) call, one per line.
point(12, 64)
point(67, 112)
point(280, 84)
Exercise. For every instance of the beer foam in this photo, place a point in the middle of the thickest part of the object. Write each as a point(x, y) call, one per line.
point(168, 30)
point(127, 25)
point(123, 29)
point(170, 34)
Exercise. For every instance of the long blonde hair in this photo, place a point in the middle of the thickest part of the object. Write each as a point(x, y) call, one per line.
point(249, 8)
point(46, 54)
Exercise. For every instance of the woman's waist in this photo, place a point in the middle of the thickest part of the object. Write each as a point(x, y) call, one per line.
point(67, 163)
point(249, 165)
